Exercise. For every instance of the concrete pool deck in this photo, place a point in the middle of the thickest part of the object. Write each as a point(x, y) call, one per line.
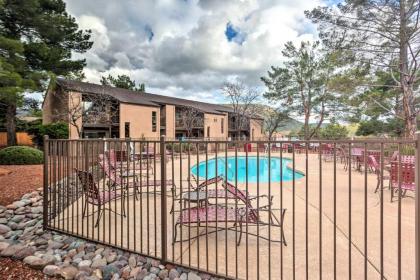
point(206, 255)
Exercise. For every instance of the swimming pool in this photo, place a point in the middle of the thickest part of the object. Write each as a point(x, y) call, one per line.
point(279, 169)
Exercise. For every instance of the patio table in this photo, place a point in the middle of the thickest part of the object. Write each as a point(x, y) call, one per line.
point(198, 197)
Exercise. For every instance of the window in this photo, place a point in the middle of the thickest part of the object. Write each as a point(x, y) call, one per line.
point(154, 122)
point(208, 131)
point(127, 130)
point(222, 126)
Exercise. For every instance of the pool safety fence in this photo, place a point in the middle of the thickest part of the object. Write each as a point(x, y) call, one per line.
point(243, 209)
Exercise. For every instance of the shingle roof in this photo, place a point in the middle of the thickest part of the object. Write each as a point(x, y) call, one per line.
point(141, 98)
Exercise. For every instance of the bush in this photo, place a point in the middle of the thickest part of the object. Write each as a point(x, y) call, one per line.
point(56, 130)
point(21, 155)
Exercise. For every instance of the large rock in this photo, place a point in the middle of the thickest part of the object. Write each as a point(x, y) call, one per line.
point(193, 276)
point(4, 229)
point(109, 271)
point(11, 250)
point(132, 262)
point(35, 262)
point(99, 263)
point(3, 245)
point(173, 274)
point(85, 263)
point(37, 210)
point(68, 272)
point(142, 274)
point(50, 270)
point(24, 252)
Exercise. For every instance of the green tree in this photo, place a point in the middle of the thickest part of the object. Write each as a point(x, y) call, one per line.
point(37, 38)
point(302, 86)
point(384, 35)
point(14, 80)
point(333, 131)
point(274, 119)
point(122, 81)
point(392, 127)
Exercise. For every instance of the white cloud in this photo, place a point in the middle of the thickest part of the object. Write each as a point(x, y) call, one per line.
point(179, 48)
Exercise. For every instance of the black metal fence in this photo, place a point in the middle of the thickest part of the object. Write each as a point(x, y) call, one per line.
point(243, 209)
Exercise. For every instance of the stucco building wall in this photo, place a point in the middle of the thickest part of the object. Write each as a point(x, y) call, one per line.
point(213, 124)
point(170, 121)
point(255, 127)
point(140, 119)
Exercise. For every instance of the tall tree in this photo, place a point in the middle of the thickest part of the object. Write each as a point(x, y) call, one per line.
point(273, 120)
point(383, 34)
point(44, 36)
point(302, 86)
point(122, 81)
point(243, 101)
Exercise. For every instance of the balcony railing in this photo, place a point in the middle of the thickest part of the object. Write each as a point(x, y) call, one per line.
point(180, 124)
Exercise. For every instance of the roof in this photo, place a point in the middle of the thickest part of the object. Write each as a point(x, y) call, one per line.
point(141, 98)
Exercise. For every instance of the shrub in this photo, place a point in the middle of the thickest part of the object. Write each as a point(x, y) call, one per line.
point(56, 130)
point(21, 155)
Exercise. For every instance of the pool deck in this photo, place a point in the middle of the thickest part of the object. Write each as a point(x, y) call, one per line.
point(141, 230)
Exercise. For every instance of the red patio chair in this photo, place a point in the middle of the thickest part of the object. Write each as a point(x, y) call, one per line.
point(373, 164)
point(327, 152)
point(96, 197)
point(406, 181)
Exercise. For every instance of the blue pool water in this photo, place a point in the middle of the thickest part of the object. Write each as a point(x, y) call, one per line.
point(276, 164)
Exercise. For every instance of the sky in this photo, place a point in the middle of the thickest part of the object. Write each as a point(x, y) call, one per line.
point(189, 48)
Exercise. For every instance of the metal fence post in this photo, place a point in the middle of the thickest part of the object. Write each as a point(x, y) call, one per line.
point(163, 198)
point(45, 185)
point(417, 214)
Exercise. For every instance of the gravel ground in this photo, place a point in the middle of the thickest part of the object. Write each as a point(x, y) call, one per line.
point(21, 180)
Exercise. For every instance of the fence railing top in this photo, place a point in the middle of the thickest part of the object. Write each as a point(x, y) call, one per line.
point(210, 140)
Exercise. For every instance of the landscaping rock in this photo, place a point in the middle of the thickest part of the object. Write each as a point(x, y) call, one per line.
point(108, 271)
point(98, 263)
point(142, 274)
point(84, 263)
point(11, 250)
point(4, 229)
point(193, 276)
point(173, 274)
point(35, 262)
point(3, 245)
point(50, 270)
point(57, 255)
point(68, 272)
point(24, 252)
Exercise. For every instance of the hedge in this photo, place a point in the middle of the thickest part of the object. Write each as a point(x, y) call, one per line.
point(21, 155)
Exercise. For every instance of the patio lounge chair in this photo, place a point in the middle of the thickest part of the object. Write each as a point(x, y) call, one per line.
point(95, 196)
point(406, 181)
point(119, 161)
point(121, 180)
point(196, 216)
point(211, 193)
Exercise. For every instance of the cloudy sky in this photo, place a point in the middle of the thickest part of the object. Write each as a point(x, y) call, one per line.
point(188, 48)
